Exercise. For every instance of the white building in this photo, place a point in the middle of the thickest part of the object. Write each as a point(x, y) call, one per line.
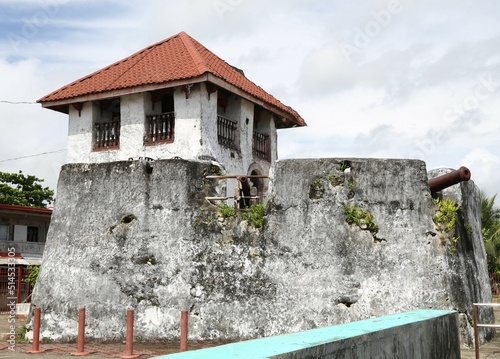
point(173, 99)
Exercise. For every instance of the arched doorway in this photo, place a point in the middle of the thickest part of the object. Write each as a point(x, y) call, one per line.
point(261, 184)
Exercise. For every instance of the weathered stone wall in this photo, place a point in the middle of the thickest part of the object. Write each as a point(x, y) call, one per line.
point(468, 269)
point(141, 235)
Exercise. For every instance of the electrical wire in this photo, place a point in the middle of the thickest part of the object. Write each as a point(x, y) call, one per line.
point(35, 155)
point(18, 102)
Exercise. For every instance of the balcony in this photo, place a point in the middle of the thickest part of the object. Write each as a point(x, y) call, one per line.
point(29, 249)
point(160, 128)
point(227, 132)
point(261, 146)
point(107, 135)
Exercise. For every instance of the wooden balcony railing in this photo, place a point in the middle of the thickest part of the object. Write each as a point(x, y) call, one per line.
point(261, 146)
point(160, 128)
point(226, 132)
point(107, 135)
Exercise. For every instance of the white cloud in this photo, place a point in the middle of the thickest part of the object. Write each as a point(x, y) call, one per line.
point(410, 92)
point(484, 165)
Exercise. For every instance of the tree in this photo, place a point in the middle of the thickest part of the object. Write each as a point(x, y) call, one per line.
point(24, 190)
point(490, 228)
point(33, 271)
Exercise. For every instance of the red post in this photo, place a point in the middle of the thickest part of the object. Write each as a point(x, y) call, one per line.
point(184, 330)
point(80, 341)
point(129, 349)
point(36, 334)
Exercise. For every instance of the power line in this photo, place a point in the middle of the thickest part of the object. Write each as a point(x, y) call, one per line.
point(36, 155)
point(18, 102)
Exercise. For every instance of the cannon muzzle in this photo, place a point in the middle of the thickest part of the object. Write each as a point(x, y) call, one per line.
point(449, 179)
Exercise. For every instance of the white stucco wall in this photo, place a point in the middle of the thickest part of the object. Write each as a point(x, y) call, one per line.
point(80, 133)
point(195, 131)
point(187, 128)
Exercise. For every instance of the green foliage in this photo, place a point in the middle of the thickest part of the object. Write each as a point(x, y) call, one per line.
point(24, 190)
point(453, 246)
point(360, 217)
point(445, 219)
point(350, 186)
point(490, 229)
point(225, 211)
point(446, 216)
point(33, 271)
point(344, 165)
point(255, 215)
point(21, 334)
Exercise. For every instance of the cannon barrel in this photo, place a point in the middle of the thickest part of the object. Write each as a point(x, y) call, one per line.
point(449, 179)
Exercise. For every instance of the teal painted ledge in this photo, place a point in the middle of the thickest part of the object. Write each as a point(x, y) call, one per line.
point(303, 341)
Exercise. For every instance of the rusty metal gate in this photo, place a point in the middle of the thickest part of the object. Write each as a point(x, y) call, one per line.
point(21, 291)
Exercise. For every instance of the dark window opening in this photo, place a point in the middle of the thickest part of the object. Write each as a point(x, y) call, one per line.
point(256, 116)
point(167, 103)
point(107, 127)
point(261, 143)
point(222, 100)
point(32, 235)
point(261, 146)
point(226, 132)
point(4, 232)
point(160, 128)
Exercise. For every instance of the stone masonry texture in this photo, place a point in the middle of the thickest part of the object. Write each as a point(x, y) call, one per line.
point(142, 235)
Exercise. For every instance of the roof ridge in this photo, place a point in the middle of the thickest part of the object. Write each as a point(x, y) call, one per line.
point(199, 61)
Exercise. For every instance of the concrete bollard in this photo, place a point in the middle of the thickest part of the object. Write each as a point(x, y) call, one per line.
point(184, 330)
point(36, 334)
point(80, 341)
point(129, 346)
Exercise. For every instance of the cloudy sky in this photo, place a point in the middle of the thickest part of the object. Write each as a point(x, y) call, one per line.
point(381, 79)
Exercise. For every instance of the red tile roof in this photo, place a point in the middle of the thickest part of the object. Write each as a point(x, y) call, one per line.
point(12, 207)
point(175, 59)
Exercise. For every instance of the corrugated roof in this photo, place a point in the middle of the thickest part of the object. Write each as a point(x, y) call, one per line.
point(179, 57)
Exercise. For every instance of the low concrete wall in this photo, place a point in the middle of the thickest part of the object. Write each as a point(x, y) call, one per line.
point(417, 334)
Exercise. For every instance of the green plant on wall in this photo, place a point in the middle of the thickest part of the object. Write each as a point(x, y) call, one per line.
point(445, 220)
point(255, 215)
point(225, 211)
point(345, 165)
point(446, 215)
point(363, 219)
